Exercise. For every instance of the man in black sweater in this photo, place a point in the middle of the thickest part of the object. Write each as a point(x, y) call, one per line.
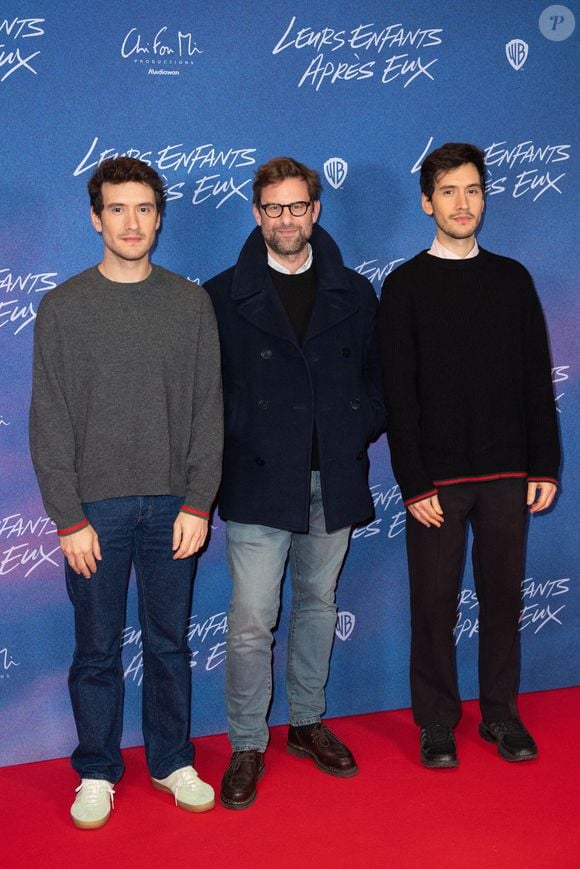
point(473, 438)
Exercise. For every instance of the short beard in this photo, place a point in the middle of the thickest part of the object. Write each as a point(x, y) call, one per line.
point(287, 248)
point(457, 233)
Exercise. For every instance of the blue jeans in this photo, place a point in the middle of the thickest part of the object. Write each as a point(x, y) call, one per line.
point(132, 531)
point(257, 557)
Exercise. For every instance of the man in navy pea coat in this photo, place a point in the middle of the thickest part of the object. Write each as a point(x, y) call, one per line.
point(303, 399)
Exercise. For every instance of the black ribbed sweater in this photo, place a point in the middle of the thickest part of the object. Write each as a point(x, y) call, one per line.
point(467, 374)
point(297, 293)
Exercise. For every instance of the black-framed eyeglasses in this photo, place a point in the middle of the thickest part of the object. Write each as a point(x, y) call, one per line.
point(296, 209)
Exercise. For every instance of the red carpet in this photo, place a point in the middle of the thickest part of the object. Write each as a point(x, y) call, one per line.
point(487, 813)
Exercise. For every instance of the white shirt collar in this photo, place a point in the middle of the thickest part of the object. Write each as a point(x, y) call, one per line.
point(437, 249)
point(278, 267)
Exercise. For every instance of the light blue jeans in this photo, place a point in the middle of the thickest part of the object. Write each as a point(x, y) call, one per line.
point(257, 557)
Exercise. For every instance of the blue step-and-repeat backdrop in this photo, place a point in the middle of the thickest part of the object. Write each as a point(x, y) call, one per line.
point(205, 91)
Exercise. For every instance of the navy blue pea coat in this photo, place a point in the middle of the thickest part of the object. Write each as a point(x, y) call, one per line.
point(276, 391)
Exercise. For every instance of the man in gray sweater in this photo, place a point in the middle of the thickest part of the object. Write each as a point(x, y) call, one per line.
point(126, 440)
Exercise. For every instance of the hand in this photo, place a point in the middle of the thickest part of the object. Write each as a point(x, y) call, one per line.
point(82, 551)
point(428, 511)
point(544, 492)
point(189, 533)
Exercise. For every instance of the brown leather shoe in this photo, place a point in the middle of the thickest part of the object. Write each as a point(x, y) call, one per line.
point(326, 750)
point(239, 782)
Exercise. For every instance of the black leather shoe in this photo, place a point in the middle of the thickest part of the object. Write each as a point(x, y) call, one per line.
point(438, 749)
point(513, 740)
point(326, 750)
point(238, 789)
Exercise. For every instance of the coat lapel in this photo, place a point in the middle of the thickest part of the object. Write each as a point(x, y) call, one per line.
point(335, 300)
point(264, 310)
point(258, 302)
point(331, 306)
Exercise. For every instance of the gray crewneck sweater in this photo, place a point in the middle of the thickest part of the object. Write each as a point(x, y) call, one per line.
point(126, 394)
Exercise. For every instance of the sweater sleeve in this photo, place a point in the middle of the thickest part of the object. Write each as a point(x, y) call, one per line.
point(541, 422)
point(52, 443)
point(204, 458)
point(399, 361)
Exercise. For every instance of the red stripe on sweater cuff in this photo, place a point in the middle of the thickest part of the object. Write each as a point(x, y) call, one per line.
point(420, 497)
point(62, 532)
point(193, 512)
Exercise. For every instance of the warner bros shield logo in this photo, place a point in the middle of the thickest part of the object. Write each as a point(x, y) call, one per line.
point(345, 625)
point(516, 52)
point(335, 171)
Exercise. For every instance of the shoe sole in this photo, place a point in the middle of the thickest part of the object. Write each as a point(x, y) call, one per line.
point(202, 807)
point(90, 825)
point(488, 736)
point(442, 763)
point(230, 804)
point(338, 773)
point(235, 806)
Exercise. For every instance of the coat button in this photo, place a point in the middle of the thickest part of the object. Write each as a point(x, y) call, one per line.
point(263, 404)
point(346, 352)
point(360, 455)
point(266, 353)
point(355, 403)
point(260, 461)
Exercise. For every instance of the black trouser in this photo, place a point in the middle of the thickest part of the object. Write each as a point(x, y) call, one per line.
point(497, 513)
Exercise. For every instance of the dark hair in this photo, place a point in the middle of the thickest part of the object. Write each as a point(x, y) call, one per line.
point(279, 169)
point(119, 170)
point(450, 156)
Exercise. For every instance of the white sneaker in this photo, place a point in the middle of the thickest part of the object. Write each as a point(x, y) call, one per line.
point(190, 792)
point(92, 806)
